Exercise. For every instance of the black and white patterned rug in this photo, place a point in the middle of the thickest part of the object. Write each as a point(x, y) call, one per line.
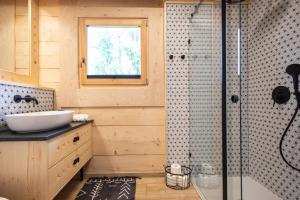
point(116, 188)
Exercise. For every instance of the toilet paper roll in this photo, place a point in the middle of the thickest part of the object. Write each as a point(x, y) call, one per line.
point(171, 180)
point(183, 181)
point(176, 169)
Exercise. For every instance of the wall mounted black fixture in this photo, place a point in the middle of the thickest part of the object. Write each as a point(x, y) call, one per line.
point(76, 139)
point(234, 98)
point(281, 95)
point(294, 71)
point(77, 160)
point(171, 57)
point(27, 99)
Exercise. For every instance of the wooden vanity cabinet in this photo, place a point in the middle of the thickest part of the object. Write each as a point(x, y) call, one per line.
point(38, 170)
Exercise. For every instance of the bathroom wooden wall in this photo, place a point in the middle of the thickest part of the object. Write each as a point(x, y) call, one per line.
point(14, 36)
point(7, 35)
point(129, 131)
point(22, 39)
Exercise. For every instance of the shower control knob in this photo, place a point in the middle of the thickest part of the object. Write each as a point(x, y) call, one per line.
point(234, 98)
point(281, 95)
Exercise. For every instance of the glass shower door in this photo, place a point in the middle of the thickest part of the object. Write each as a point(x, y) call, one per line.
point(205, 100)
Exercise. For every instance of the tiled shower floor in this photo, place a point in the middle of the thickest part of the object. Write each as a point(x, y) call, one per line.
point(251, 190)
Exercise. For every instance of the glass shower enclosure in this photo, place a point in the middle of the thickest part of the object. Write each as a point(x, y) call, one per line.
point(238, 53)
point(217, 177)
point(205, 100)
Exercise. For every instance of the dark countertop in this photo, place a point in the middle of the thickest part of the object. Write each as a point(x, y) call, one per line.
point(7, 135)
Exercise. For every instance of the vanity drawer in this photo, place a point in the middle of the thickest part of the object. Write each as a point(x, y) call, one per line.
point(84, 153)
point(60, 147)
point(62, 172)
point(85, 134)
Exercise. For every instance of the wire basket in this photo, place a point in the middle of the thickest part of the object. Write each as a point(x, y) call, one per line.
point(178, 181)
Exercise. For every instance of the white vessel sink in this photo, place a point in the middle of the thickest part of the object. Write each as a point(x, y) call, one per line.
point(38, 121)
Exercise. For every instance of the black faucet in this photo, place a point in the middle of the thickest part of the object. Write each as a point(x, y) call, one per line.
point(27, 99)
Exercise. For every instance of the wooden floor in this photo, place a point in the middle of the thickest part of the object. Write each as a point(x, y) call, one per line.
point(148, 188)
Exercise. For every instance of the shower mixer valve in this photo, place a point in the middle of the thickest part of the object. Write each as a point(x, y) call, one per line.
point(281, 95)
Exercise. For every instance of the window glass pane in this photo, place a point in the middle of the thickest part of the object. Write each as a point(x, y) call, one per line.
point(113, 51)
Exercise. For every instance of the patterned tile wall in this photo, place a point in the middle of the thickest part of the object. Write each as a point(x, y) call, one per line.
point(273, 44)
point(177, 27)
point(8, 106)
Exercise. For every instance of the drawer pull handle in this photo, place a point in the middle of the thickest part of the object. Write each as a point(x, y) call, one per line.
point(76, 161)
point(76, 139)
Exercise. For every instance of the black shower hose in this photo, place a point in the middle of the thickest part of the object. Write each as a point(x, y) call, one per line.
point(283, 136)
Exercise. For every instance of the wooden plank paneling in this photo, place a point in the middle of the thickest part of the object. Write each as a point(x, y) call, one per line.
point(22, 28)
point(49, 43)
point(36, 171)
point(128, 140)
point(126, 164)
point(49, 48)
point(23, 169)
point(23, 71)
point(50, 75)
point(22, 43)
point(22, 39)
point(51, 62)
point(22, 48)
point(21, 7)
point(127, 96)
point(49, 28)
point(126, 116)
point(22, 61)
point(7, 35)
point(9, 172)
point(49, 8)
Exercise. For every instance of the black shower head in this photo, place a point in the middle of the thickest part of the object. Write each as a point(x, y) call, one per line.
point(294, 71)
point(234, 1)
